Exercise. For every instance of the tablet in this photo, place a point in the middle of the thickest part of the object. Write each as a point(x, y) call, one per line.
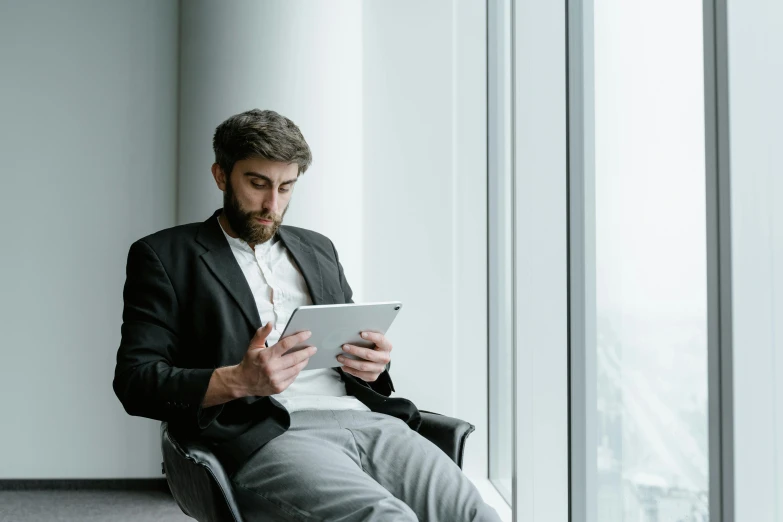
point(334, 325)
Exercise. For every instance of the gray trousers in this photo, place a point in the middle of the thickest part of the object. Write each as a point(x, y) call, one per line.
point(354, 465)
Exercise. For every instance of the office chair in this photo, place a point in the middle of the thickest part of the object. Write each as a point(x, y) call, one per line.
point(203, 490)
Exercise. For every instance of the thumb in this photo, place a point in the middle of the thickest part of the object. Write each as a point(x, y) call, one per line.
point(259, 339)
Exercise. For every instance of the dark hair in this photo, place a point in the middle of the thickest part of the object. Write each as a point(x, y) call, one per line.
point(260, 133)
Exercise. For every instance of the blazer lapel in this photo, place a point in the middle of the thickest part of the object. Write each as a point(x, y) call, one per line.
point(305, 258)
point(221, 262)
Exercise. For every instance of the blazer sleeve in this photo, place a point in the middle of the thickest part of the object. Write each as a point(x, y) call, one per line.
point(383, 384)
point(146, 378)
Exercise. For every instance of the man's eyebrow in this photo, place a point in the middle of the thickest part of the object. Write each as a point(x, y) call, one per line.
point(268, 179)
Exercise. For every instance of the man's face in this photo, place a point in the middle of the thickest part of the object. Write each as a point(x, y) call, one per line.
point(256, 196)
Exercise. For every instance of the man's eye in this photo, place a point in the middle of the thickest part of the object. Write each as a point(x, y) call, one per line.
point(264, 185)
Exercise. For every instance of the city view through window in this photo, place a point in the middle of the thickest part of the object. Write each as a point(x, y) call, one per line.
point(651, 274)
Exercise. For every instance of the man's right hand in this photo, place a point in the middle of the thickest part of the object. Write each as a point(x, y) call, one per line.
point(262, 372)
point(266, 370)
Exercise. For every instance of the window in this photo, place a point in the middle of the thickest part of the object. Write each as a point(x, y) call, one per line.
point(501, 341)
point(643, 297)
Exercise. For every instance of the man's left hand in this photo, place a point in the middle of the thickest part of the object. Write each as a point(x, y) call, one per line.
point(372, 361)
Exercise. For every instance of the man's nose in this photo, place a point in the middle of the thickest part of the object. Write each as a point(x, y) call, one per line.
point(271, 203)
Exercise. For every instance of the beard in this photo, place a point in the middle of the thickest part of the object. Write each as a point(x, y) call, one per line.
point(245, 224)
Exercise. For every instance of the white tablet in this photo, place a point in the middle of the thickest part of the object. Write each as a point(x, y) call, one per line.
point(334, 325)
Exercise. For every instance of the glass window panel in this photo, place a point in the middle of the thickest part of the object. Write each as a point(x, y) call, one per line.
point(650, 280)
point(500, 248)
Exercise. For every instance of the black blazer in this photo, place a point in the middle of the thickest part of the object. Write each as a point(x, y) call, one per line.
point(188, 310)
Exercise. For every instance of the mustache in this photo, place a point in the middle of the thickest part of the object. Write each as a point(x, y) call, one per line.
point(267, 217)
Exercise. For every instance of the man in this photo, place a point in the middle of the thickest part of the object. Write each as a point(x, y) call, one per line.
point(325, 444)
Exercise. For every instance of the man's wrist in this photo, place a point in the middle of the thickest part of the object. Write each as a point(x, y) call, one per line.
point(225, 384)
point(230, 381)
point(234, 382)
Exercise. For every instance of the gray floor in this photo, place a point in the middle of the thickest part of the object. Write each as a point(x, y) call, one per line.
point(89, 506)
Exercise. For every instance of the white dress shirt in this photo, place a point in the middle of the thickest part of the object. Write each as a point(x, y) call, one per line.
point(278, 288)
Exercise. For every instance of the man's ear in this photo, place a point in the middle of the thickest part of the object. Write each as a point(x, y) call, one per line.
point(220, 176)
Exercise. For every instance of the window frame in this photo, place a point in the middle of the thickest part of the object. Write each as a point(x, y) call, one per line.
point(540, 252)
point(499, 230)
point(582, 369)
point(551, 103)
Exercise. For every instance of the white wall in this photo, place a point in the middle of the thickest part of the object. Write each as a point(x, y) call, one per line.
point(393, 106)
point(302, 59)
point(87, 137)
point(755, 44)
point(425, 201)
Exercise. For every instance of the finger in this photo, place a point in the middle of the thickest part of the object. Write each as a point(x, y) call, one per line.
point(259, 338)
point(288, 342)
point(365, 376)
point(361, 365)
point(292, 359)
point(380, 340)
point(289, 374)
point(284, 385)
point(369, 354)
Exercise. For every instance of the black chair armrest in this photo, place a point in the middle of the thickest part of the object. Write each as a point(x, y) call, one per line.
point(197, 480)
point(448, 433)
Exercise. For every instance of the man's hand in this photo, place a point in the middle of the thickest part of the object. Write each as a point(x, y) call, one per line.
point(372, 361)
point(266, 371)
point(262, 372)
